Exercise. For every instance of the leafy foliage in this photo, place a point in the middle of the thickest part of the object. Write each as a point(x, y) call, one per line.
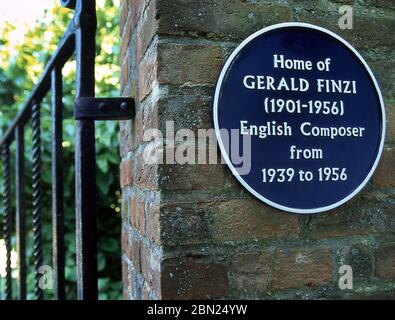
point(18, 74)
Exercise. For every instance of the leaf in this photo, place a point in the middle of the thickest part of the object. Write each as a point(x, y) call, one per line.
point(102, 164)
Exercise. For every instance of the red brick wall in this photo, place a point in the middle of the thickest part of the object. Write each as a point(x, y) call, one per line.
point(190, 231)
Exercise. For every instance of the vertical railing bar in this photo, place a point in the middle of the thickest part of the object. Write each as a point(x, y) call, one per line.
point(58, 248)
point(20, 210)
point(7, 218)
point(36, 177)
point(85, 163)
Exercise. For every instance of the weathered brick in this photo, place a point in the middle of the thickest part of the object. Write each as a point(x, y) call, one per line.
point(183, 224)
point(150, 117)
point(146, 292)
point(126, 37)
point(135, 253)
point(125, 209)
point(385, 261)
point(146, 31)
point(146, 173)
point(126, 243)
point(128, 281)
point(220, 18)
point(125, 277)
point(358, 217)
point(153, 222)
point(193, 278)
point(233, 220)
point(368, 31)
point(361, 259)
point(137, 213)
point(340, 1)
point(139, 127)
point(150, 267)
point(390, 112)
point(189, 110)
point(302, 267)
point(127, 142)
point(252, 271)
point(148, 72)
point(249, 219)
point(384, 72)
point(136, 7)
point(385, 173)
point(183, 63)
point(385, 3)
point(192, 177)
point(126, 172)
point(131, 283)
point(125, 77)
point(124, 14)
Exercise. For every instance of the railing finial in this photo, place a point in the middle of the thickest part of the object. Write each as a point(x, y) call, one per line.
point(68, 3)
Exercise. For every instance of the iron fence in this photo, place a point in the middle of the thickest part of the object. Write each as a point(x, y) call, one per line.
point(79, 38)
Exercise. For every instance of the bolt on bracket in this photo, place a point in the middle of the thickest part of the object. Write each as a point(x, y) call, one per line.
point(104, 108)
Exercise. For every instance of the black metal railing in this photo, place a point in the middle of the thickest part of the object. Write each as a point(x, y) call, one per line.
point(79, 38)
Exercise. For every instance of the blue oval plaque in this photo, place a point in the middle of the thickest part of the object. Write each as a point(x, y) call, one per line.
point(299, 118)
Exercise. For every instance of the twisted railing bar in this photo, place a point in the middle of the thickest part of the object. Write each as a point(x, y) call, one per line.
point(36, 176)
point(20, 210)
point(7, 218)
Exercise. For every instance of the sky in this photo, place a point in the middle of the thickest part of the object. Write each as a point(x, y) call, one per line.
point(23, 14)
point(24, 11)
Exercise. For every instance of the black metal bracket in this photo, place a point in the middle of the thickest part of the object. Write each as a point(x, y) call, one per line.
point(104, 108)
